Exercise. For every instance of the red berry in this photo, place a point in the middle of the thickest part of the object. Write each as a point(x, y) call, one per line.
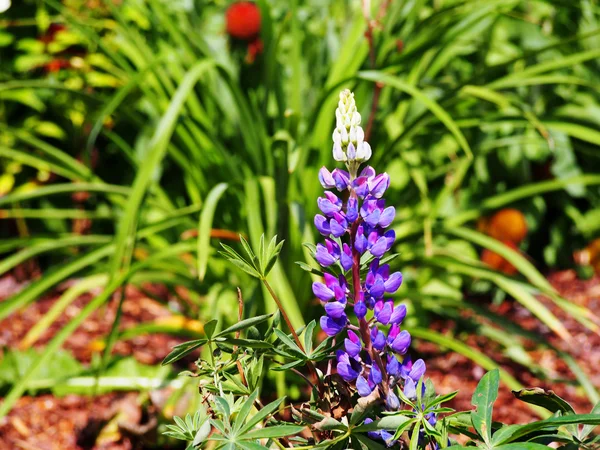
point(243, 20)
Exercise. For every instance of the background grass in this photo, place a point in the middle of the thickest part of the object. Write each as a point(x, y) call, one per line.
point(471, 106)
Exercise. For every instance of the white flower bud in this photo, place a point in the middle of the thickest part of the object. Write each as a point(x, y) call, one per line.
point(344, 134)
point(364, 152)
point(360, 136)
point(351, 152)
point(338, 153)
point(355, 120)
point(337, 138)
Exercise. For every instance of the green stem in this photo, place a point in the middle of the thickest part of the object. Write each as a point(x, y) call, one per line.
point(309, 364)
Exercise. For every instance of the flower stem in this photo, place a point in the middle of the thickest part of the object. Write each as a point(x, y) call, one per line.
point(309, 364)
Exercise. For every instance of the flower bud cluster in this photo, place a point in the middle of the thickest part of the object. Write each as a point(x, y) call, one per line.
point(354, 221)
point(349, 143)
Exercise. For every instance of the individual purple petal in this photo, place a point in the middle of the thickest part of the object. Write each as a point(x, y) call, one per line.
point(326, 178)
point(329, 204)
point(360, 309)
point(360, 243)
point(392, 401)
point(341, 179)
point(410, 389)
point(431, 418)
point(322, 292)
point(406, 367)
point(367, 172)
point(393, 366)
point(379, 248)
point(387, 437)
point(387, 216)
point(346, 257)
point(345, 370)
point(323, 256)
point(373, 218)
point(399, 314)
point(362, 386)
point(394, 331)
point(335, 309)
point(393, 282)
point(352, 348)
point(401, 342)
point(378, 287)
point(331, 281)
point(352, 209)
point(417, 370)
point(361, 186)
point(383, 312)
point(390, 237)
point(375, 375)
point(372, 434)
point(322, 225)
point(377, 339)
point(336, 229)
point(333, 326)
point(379, 184)
point(339, 293)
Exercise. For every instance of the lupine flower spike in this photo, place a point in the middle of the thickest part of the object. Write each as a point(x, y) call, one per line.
point(373, 358)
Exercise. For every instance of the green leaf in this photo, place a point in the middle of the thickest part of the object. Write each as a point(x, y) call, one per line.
point(273, 432)
point(244, 411)
point(205, 226)
point(483, 399)
point(545, 399)
point(288, 342)
point(261, 415)
point(246, 323)
point(181, 350)
point(209, 328)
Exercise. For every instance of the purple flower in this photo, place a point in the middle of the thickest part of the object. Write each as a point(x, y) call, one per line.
point(329, 204)
point(327, 254)
point(383, 311)
point(348, 368)
point(363, 387)
point(401, 343)
point(379, 184)
point(341, 178)
point(360, 243)
point(360, 309)
point(333, 326)
point(393, 366)
point(386, 217)
point(346, 257)
point(335, 310)
point(417, 370)
point(398, 315)
point(352, 210)
point(352, 344)
point(356, 222)
point(393, 282)
point(375, 375)
point(392, 401)
point(326, 178)
point(377, 338)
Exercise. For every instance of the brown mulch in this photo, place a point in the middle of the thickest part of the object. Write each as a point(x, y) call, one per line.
point(451, 371)
point(71, 423)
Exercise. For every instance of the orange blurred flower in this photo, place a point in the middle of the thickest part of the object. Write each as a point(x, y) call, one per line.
point(243, 21)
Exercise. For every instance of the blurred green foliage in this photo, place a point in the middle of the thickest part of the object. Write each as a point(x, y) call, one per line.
point(135, 134)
